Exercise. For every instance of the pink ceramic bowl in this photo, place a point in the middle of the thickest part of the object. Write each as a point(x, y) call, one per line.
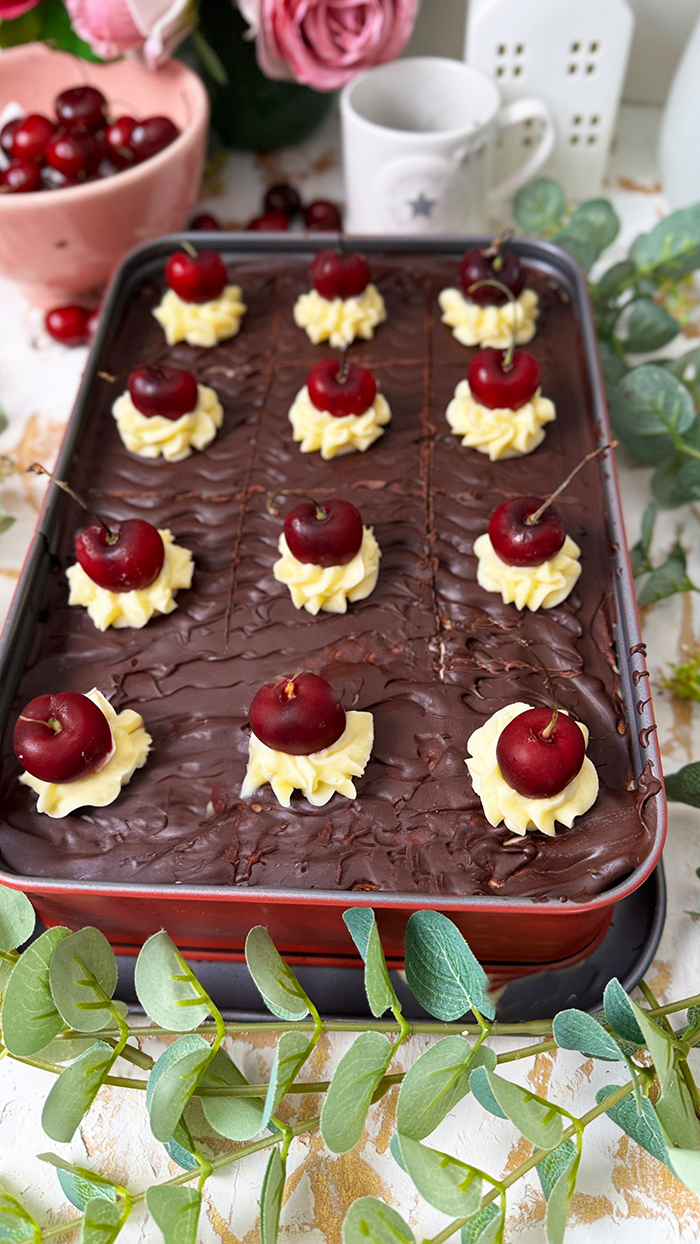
point(63, 245)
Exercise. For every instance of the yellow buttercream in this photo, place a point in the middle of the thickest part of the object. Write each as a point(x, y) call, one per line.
point(340, 320)
point(335, 435)
point(149, 436)
point(329, 587)
point(502, 803)
point(317, 776)
point(500, 433)
point(531, 587)
point(473, 325)
point(201, 323)
point(131, 744)
point(120, 609)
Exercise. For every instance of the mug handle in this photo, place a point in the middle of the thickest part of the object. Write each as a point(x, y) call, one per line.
point(513, 113)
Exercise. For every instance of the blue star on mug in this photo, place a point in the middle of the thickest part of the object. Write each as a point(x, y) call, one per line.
point(421, 205)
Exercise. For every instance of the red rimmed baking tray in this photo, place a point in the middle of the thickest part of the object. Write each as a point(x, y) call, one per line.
point(427, 653)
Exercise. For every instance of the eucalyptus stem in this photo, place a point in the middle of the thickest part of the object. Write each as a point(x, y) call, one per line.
point(535, 1027)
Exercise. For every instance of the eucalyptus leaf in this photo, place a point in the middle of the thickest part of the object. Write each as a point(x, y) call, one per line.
point(672, 248)
point(17, 918)
point(16, 1223)
point(74, 1091)
point(280, 989)
point(559, 1201)
point(29, 1018)
point(553, 1165)
point(395, 1150)
point(482, 1091)
point(65, 1050)
point(648, 326)
point(83, 977)
point(80, 1184)
point(667, 579)
point(181, 1147)
point(5, 973)
point(370, 1221)
point(237, 1118)
point(685, 1164)
point(351, 1090)
point(539, 207)
point(658, 1042)
point(575, 1030)
point(601, 218)
point(445, 1182)
point(639, 554)
point(363, 929)
point(486, 1227)
point(643, 1127)
point(614, 280)
point(271, 1198)
point(434, 1085)
point(536, 1118)
point(293, 1049)
point(612, 367)
point(677, 481)
point(102, 1221)
point(167, 988)
point(693, 1015)
point(176, 1212)
point(619, 1014)
point(651, 403)
point(674, 1108)
point(580, 243)
point(441, 970)
point(172, 1082)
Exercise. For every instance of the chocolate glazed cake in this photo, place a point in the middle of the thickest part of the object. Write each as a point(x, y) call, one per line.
point(429, 653)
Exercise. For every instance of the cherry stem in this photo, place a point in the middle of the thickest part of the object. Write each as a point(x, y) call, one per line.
point(493, 250)
point(344, 368)
point(290, 492)
point(37, 469)
point(547, 732)
point(533, 519)
point(188, 248)
point(340, 249)
point(508, 356)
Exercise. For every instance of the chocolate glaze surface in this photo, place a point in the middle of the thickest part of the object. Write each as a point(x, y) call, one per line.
point(429, 653)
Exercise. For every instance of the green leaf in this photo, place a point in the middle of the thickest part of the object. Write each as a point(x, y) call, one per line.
point(351, 1090)
point(83, 977)
point(667, 579)
point(486, 1227)
point(167, 988)
point(6, 520)
point(176, 1212)
point(3, 426)
point(64, 1051)
point(29, 1018)
point(650, 405)
point(16, 1223)
point(370, 1221)
point(536, 1118)
point(181, 1147)
point(365, 934)
point(674, 1108)
point(80, 1184)
point(639, 554)
point(23, 29)
point(677, 481)
point(480, 1087)
point(445, 1182)
point(658, 1042)
point(580, 243)
point(684, 786)
point(693, 1021)
point(687, 370)
point(600, 219)
point(559, 1197)
point(672, 248)
point(539, 207)
point(292, 1051)
point(434, 1085)
point(271, 1198)
point(614, 281)
point(575, 1030)
point(209, 58)
point(441, 970)
point(643, 1127)
point(612, 367)
point(58, 31)
point(280, 989)
point(75, 1090)
point(172, 1082)
point(237, 1118)
point(17, 918)
point(552, 1167)
point(102, 1222)
point(619, 1014)
point(648, 326)
point(685, 1164)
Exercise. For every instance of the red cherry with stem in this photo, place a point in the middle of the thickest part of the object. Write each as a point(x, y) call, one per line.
point(31, 136)
point(322, 217)
point(205, 222)
point(68, 325)
point(151, 136)
point(282, 198)
point(126, 558)
point(298, 715)
point(339, 276)
point(518, 544)
point(341, 389)
point(63, 737)
point(196, 278)
point(501, 387)
point(118, 140)
point(21, 177)
point(7, 134)
point(328, 534)
point(540, 751)
point(69, 154)
point(269, 222)
point(81, 109)
point(167, 391)
point(491, 264)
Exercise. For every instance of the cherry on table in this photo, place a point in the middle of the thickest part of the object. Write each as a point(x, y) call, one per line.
point(324, 534)
point(127, 558)
point(31, 136)
point(519, 544)
point(298, 715)
point(118, 142)
point(205, 222)
point(503, 388)
point(68, 324)
point(269, 222)
point(20, 177)
point(492, 264)
point(341, 389)
point(152, 135)
point(322, 217)
point(538, 759)
point(7, 134)
point(339, 276)
point(167, 391)
point(196, 278)
point(282, 198)
point(81, 109)
point(63, 737)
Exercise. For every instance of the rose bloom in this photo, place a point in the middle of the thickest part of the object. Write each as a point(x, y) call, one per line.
point(325, 43)
point(15, 8)
point(150, 29)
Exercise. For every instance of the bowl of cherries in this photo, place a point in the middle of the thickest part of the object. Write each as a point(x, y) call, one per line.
point(96, 160)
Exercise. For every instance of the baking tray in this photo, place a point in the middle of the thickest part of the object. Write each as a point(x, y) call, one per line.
point(507, 934)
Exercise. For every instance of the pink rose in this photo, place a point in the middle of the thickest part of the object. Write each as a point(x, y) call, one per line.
point(324, 43)
point(15, 8)
point(149, 29)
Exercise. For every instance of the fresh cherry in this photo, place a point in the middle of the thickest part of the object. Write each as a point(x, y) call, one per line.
point(7, 134)
point(519, 544)
point(538, 758)
point(298, 715)
point(491, 265)
point(151, 136)
point(68, 325)
point(196, 278)
point(167, 391)
point(503, 387)
point(60, 738)
point(205, 222)
point(282, 198)
point(127, 558)
point(339, 276)
point(118, 142)
point(341, 389)
point(20, 177)
point(31, 136)
point(81, 109)
point(322, 217)
point(269, 222)
point(71, 155)
point(328, 534)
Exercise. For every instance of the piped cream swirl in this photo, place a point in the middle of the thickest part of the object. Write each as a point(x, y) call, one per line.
point(473, 325)
point(339, 320)
point(500, 433)
point(201, 323)
point(501, 803)
point(317, 776)
point(149, 436)
point(528, 587)
point(135, 609)
point(334, 435)
point(329, 587)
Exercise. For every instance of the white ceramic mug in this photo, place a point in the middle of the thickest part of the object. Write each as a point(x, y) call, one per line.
point(418, 137)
